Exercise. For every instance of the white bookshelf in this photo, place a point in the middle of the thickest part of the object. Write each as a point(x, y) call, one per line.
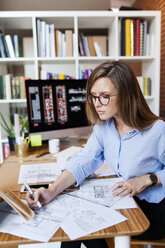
point(25, 22)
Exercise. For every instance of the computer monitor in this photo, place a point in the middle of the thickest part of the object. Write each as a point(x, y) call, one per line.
point(56, 108)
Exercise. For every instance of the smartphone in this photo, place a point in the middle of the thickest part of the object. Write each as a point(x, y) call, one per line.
point(34, 186)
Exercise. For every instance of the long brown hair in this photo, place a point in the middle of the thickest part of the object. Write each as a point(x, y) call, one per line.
point(133, 108)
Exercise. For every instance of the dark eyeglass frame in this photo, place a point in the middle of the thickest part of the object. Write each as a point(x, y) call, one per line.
point(92, 98)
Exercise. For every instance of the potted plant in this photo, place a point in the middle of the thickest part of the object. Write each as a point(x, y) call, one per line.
point(9, 128)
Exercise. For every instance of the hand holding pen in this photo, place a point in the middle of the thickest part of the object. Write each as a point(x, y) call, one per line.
point(31, 193)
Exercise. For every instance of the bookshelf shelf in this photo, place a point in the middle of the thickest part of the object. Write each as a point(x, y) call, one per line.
point(13, 101)
point(136, 58)
point(37, 60)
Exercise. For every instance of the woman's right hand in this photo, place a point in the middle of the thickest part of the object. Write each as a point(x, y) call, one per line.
point(42, 195)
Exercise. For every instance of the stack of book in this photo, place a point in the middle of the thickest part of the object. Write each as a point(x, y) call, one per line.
point(12, 87)
point(92, 45)
point(53, 42)
point(9, 46)
point(134, 37)
point(84, 73)
point(49, 75)
point(145, 85)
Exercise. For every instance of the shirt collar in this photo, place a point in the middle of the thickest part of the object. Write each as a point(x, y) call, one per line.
point(127, 135)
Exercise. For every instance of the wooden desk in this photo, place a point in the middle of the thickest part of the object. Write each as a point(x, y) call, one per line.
point(136, 223)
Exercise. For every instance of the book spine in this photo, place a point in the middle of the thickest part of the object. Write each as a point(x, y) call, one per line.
point(141, 38)
point(52, 41)
point(137, 37)
point(8, 78)
point(81, 46)
point(69, 42)
point(47, 54)
point(16, 45)
point(57, 42)
point(128, 37)
point(38, 37)
point(2, 48)
point(91, 46)
point(1, 87)
point(10, 45)
point(132, 38)
point(123, 39)
point(43, 33)
point(145, 38)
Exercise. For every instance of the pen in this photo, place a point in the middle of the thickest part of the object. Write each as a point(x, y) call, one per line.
point(31, 192)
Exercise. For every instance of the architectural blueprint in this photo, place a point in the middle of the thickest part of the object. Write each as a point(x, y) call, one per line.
point(47, 216)
point(98, 191)
point(36, 173)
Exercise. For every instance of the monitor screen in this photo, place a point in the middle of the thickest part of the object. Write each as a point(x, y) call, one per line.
point(56, 108)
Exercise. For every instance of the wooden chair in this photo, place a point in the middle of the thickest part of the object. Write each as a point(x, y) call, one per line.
point(149, 243)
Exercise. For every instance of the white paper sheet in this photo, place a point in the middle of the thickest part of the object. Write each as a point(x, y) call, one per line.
point(36, 173)
point(68, 211)
point(99, 216)
point(82, 222)
point(98, 191)
point(67, 153)
point(42, 228)
point(124, 202)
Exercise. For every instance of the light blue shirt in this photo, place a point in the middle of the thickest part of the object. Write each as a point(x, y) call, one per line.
point(135, 154)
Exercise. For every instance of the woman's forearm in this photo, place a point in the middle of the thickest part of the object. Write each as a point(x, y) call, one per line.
point(65, 180)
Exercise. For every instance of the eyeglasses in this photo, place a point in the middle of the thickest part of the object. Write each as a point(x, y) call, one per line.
point(103, 98)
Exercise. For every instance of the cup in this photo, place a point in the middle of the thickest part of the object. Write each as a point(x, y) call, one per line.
point(54, 145)
point(21, 150)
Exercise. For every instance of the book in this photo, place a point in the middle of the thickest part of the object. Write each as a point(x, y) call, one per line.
point(2, 47)
point(8, 79)
point(10, 45)
point(137, 37)
point(141, 38)
point(47, 41)
point(38, 37)
point(97, 49)
point(52, 41)
point(81, 45)
point(140, 81)
point(101, 40)
point(69, 42)
point(28, 47)
point(122, 37)
point(145, 37)
point(57, 47)
point(128, 36)
point(19, 206)
point(43, 39)
point(2, 93)
point(132, 38)
point(91, 45)
point(16, 45)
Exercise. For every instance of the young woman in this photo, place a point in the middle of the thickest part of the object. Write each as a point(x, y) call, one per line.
point(129, 137)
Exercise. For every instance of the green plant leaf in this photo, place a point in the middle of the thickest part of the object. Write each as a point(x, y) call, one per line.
point(9, 130)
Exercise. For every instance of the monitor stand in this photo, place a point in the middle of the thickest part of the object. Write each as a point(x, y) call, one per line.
point(71, 141)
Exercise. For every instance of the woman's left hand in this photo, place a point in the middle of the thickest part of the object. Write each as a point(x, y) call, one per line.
point(131, 186)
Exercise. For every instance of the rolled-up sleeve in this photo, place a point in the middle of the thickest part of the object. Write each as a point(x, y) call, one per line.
point(89, 159)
